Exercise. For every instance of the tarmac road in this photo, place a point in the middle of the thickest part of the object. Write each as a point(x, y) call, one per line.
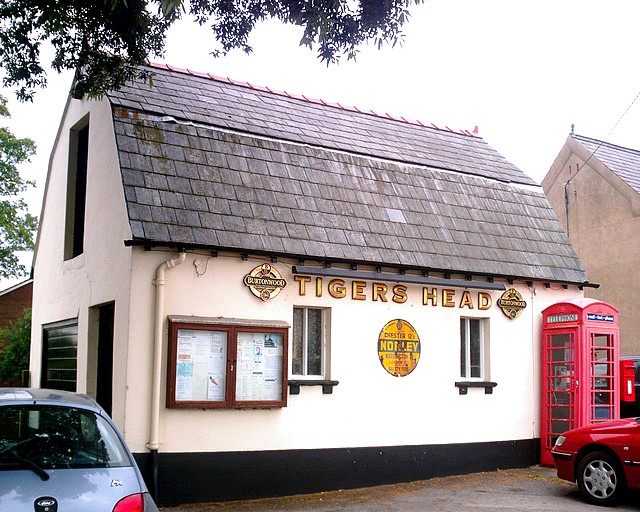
point(528, 489)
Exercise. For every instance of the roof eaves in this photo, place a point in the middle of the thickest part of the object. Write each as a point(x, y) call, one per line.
point(184, 246)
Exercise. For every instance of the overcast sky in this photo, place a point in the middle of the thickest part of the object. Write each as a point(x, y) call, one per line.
point(522, 72)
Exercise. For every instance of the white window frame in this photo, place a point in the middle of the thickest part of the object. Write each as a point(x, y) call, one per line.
point(324, 345)
point(483, 347)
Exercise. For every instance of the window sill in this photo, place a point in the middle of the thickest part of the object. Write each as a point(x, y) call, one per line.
point(465, 385)
point(327, 385)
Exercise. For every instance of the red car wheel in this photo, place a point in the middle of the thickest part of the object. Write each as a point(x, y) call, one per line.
point(600, 478)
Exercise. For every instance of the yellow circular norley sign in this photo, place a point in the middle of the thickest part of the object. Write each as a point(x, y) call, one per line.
point(399, 347)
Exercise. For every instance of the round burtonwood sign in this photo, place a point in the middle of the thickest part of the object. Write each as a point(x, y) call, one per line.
point(265, 282)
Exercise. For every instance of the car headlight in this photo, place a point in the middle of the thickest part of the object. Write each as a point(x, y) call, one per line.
point(560, 440)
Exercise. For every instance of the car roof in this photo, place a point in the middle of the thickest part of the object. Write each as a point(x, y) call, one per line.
point(42, 396)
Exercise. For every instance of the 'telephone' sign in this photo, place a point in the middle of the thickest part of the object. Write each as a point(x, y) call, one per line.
point(399, 348)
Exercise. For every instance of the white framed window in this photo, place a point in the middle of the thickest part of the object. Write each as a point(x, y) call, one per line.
point(474, 348)
point(309, 350)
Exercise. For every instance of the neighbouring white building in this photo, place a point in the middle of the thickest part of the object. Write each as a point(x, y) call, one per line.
point(275, 295)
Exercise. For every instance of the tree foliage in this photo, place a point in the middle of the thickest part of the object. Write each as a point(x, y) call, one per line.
point(103, 41)
point(16, 338)
point(16, 224)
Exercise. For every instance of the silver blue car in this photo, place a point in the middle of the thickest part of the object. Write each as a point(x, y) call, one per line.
point(60, 452)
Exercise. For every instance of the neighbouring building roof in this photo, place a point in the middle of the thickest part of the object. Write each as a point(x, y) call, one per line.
point(13, 302)
point(212, 163)
point(623, 162)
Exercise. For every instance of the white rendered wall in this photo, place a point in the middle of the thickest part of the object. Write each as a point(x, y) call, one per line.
point(67, 289)
point(369, 407)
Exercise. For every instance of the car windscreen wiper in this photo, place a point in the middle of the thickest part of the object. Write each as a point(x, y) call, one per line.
point(13, 458)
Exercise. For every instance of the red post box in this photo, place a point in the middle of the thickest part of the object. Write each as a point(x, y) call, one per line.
point(627, 381)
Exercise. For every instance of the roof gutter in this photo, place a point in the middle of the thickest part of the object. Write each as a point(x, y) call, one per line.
point(464, 283)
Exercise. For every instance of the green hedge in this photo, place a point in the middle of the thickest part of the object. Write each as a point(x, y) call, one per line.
point(16, 338)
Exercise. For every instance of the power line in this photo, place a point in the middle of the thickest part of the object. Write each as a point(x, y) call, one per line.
point(603, 140)
point(566, 185)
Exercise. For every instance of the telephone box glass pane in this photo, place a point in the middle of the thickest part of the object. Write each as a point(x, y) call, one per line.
point(561, 340)
point(602, 372)
point(561, 366)
point(560, 393)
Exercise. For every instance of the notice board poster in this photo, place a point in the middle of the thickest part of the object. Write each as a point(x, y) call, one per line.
point(259, 366)
point(201, 362)
point(226, 366)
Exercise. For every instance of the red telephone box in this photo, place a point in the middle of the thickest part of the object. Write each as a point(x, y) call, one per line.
point(580, 374)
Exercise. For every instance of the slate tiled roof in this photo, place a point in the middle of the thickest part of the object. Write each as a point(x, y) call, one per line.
point(258, 111)
point(623, 162)
point(212, 164)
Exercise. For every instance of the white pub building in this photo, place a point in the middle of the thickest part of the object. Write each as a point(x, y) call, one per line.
point(275, 295)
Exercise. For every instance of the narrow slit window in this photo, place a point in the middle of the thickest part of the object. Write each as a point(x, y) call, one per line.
point(76, 190)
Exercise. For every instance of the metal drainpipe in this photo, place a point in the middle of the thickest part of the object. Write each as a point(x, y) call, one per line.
point(154, 442)
point(535, 355)
point(566, 203)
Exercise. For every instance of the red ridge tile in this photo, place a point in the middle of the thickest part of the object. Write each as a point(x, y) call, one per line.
point(308, 99)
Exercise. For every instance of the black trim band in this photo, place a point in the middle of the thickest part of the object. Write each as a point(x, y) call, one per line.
point(226, 476)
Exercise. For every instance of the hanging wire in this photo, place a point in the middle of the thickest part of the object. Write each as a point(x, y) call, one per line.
point(603, 140)
point(566, 185)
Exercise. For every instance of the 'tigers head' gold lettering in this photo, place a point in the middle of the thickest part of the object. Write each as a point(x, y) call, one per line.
point(399, 294)
point(337, 288)
point(379, 292)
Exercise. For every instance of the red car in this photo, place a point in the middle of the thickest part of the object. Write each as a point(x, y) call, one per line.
point(604, 458)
